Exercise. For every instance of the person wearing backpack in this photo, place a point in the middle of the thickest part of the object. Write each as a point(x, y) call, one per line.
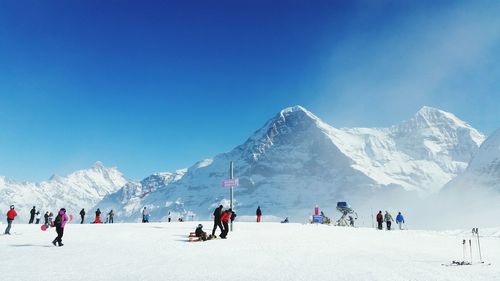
point(388, 220)
point(380, 220)
point(59, 223)
point(11, 215)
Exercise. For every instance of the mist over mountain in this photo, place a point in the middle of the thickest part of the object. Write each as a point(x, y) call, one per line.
point(296, 161)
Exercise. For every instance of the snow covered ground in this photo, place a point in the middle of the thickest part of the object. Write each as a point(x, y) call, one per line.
point(266, 251)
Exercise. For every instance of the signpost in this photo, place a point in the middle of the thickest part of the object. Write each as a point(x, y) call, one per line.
point(231, 182)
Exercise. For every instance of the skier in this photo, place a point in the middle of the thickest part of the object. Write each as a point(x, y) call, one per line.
point(59, 223)
point(388, 220)
point(217, 222)
point(32, 215)
point(145, 215)
point(400, 220)
point(258, 213)
point(82, 215)
point(97, 216)
point(46, 218)
point(285, 221)
point(37, 217)
point(200, 233)
point(380, 220)
point(110, 216)
point(11, 215)
point(169, 217)
point(225, 219)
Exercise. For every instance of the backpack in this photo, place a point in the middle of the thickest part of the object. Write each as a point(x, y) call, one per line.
point(58, 220)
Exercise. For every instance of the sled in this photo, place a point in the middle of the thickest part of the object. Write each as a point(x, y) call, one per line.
point(193, 238)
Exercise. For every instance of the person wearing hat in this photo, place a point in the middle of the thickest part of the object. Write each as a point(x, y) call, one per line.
point(59, 223)
point(11, 215)
point(200, 233)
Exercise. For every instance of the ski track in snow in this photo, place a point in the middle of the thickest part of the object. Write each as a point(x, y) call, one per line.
point(265, 251)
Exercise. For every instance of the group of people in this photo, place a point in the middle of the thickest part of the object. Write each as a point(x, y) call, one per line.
point(59, 222)
point(221, 221)
point(109, 217)
point(387, 218)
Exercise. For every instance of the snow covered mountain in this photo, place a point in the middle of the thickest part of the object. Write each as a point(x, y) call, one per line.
point(296, 161)
point(127, 201)
point(81, 189)
point(483, 171)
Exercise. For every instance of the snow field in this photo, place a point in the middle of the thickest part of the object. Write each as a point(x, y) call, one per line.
point(265, 251)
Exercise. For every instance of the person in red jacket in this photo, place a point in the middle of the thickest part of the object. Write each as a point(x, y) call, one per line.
point(380, 220)
point(11, 215)
point(226, 216)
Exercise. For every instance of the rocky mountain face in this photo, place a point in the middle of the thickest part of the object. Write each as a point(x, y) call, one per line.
point(81, 189)
point(296, 161)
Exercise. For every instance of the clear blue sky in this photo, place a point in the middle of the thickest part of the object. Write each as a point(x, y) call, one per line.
point(157, 85)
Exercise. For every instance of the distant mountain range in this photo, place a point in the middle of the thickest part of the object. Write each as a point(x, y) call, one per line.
point(292, 163)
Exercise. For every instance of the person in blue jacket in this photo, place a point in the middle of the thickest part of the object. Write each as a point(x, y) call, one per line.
point(400, 220)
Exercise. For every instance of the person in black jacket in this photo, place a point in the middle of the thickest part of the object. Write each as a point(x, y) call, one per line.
point(217, 222)
point(200, 233)
point(258, 213)
point(32, 215)
point(82, 215)
point(46, 218)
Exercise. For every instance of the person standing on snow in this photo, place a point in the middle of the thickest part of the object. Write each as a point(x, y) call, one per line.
point(32, 215)
point(97, 216)
point(400, 220)
point(46, 218)
point(388, 220)
point(11, 215)
point(169, 216)
point(233, 215)
point(51, 219)
point(111, 215)
point(145, 215)
point(380, 220)
point(226, 216)
point(59, 223)
point(82, 215)
point(258, 213)
point(217, 222)
point(37, 217)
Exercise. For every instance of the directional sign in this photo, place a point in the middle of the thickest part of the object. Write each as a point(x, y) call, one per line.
point(230, 182)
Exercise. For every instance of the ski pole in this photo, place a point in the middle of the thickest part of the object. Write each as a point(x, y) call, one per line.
point(470, 246)
point(476, 232)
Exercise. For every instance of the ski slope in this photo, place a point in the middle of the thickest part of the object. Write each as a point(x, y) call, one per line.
point(266, 251)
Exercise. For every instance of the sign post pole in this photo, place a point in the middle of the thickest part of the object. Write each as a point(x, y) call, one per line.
point(231, 176)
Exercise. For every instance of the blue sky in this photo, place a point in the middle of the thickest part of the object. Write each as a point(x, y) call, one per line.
point(157, 85)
